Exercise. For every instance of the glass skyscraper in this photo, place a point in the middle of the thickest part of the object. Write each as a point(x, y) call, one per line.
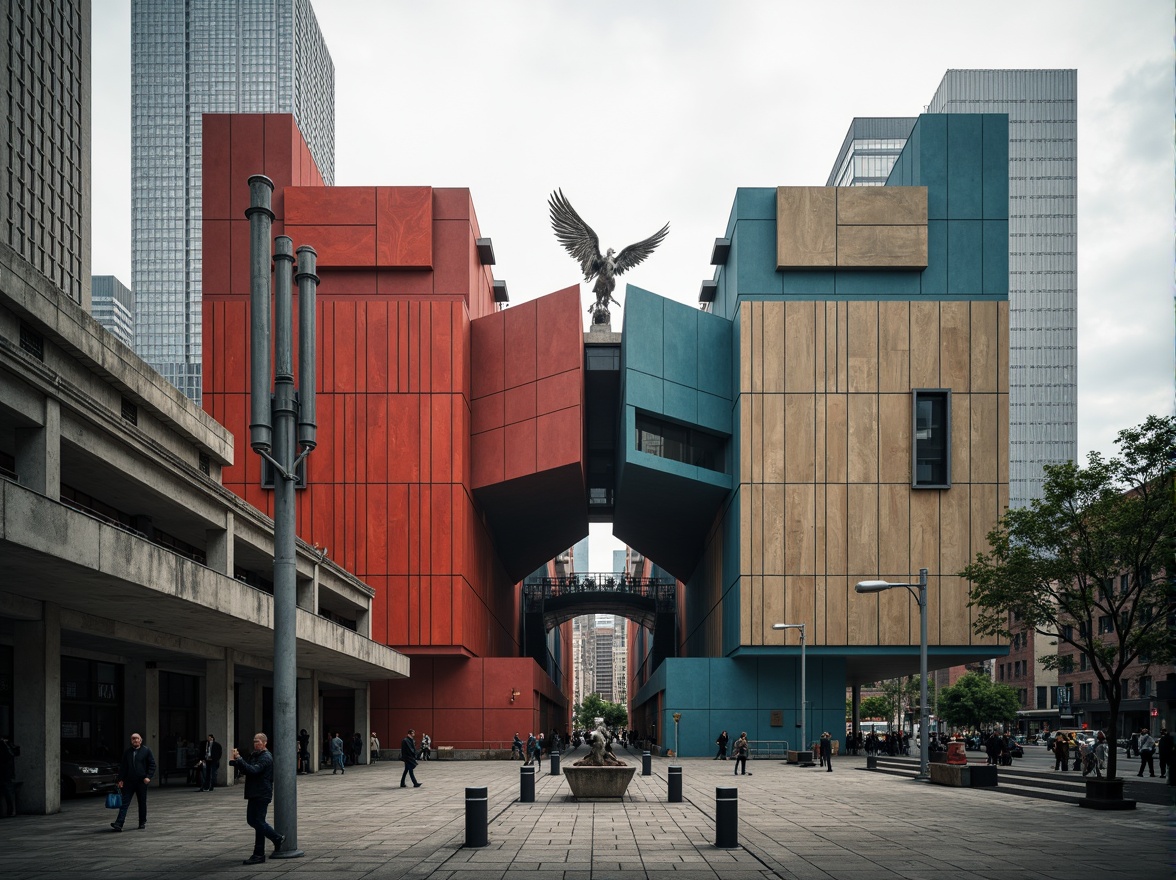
point(113, 307)
point(1042, 106)
point(188, 59)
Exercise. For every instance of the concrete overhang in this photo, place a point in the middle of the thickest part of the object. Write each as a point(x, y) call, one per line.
point(118, 589)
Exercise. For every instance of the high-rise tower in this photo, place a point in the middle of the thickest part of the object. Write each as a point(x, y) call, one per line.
point(1042, 106)
point(188, 59)
point(45, 147)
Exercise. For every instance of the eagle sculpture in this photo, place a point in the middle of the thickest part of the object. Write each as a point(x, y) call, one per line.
point(582, 243)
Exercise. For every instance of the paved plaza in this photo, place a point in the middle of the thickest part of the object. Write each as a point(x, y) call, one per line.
point(794, 823)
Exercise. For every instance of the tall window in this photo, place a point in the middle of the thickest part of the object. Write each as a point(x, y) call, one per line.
point(931, 450)
point(1042, 691)
point(679, 443)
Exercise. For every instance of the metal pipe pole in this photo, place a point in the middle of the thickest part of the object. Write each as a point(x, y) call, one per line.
point(803, 728)
point(285, 412)
point(261, 220)
point(924, 733)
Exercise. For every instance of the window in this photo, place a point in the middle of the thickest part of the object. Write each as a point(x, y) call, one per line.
point(1145, 686)
point(1066, 663)
point(1083, 662)
point(1106, 624)
point(1002, 666)
point(678, 443)
point(1084, 692)
point(1023, 695)
point(931, 450)
point(1124, 584)
point(1067, 632)
point(1042, 698)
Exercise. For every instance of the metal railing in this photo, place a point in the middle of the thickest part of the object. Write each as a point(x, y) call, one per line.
point(767, 748)
point(536, 591)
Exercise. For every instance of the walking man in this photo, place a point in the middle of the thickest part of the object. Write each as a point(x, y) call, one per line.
point(721, 742)
point(826, 748)
point(1147, 748)
point(210, 763)
point(135, 772)
point(259, 791)
point(1164, 747)
point(408, 754)
point(337, 754)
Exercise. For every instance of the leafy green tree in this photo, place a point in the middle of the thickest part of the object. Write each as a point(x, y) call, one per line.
point(615, 715)
point(1091, 564)
point(876, 706)
point(976, 701)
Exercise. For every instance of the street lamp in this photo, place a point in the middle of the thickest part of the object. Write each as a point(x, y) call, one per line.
point(803, 738)
point(921, 598)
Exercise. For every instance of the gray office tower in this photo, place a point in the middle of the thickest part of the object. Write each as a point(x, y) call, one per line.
point(114, 308)
point(188, 59)
point(1042, 106)
point(45, 145)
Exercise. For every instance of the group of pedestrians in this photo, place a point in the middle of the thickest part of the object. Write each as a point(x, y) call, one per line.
point(1091, 756)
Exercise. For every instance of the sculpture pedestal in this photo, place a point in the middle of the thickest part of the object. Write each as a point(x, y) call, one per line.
point(598, 782)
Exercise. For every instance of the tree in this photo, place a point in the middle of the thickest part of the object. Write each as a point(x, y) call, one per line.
point(976, 701)
point(615, 715)
point(876, 706)
point(1090, 563)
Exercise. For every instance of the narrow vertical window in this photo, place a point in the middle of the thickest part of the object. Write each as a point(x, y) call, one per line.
point(931, 433)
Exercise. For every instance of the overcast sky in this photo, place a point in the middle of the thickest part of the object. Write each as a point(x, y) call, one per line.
point(647, 112)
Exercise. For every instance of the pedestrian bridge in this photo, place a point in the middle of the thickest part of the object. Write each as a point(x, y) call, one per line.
point(559, 599)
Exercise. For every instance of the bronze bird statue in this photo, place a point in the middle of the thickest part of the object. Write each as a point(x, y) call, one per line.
point(582, 243)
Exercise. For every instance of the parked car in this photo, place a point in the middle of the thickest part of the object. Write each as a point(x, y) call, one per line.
point(84, 775)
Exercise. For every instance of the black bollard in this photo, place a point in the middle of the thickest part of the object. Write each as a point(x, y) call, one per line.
point(727, 818)
point(555, 763)
point(675, 785)
point(527, 784)
point(477, 801)
point(646, 764)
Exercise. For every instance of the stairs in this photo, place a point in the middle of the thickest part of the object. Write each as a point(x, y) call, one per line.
point(1064, 788)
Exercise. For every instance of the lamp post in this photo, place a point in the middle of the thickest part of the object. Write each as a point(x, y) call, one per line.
point(803, 730)
point(921, 598)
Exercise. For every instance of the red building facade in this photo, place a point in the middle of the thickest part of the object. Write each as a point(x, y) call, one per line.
point(450, 433)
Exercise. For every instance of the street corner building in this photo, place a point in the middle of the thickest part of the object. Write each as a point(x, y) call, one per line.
point(835, 411)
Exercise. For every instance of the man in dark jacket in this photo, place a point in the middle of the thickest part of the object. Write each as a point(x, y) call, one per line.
point(135, 772)
point(408, 755)
point(210, 760)
point(259, 791)
point(826, 748)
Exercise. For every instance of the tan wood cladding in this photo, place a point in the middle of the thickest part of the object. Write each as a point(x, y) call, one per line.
point(825, 416)
point(827, 227)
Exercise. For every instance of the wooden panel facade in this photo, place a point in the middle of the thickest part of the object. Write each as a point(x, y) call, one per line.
point(825, 469)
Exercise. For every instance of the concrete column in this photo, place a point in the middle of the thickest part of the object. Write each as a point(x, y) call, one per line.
point(38, 453)
point(218, 547)
point(309, 715)
point(362, 718)
point(36, 670)
point(141, 708)
point(219, 710)
point(363, 622)
point(856, 716)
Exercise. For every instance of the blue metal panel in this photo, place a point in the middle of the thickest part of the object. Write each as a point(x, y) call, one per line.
point(755, 203)
point(714, 413)
point(996, 257)
point(965, 137)
point(996, 166)
point(642, 347)
point(934, 278)
point(730, 687)
point(965, 252)
point(932, 130)
point(643, 391)
point(679, 343)
point(754, 248)
point(680, 402)
point(816, 283)
point(714, 354)
point(869, 283)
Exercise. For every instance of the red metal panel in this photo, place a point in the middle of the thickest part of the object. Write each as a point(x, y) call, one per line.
point(214, 159)
point(338, 281)
point(520, 449)
point(376, 418)
point(375, 369)
point(331, 206)
point(559, 438)
point(452, 203)
point(398, 616)
point(338, 246)
point(487, 413)
point(463, 727)
point(560, 336)
point(414, 347)
point(441, 447)
point(344, 355)
point(238, 255)
point(426, 340)
point(404, 317)
point(488, 354)
point(404, 222)
point(281, 153)
point(403, 433)
point(520, 344)
point(233, 348)
point(461, 440)
point(443, 317)
point(441, 629)
point(441, 529)
point(559, 391)
point(520, 403)
point(452, 246)
point(488, 455)
point(398, 529)
point(246, 158)
point(404, 282)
